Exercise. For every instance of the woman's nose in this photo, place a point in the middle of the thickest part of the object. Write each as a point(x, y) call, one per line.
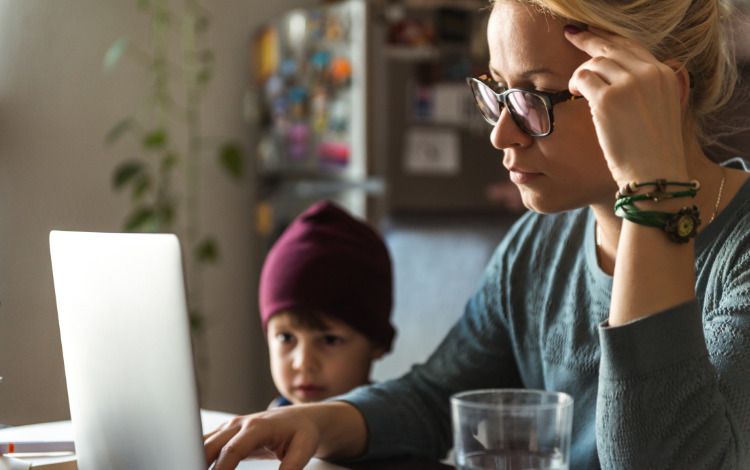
point(507, 134)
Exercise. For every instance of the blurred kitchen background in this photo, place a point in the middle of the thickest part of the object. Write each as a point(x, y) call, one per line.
point(361, 101)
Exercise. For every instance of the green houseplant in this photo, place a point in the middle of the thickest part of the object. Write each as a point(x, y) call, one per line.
point(164, 181)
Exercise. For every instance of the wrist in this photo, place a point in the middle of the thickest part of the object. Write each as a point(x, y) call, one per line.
point(343, 431)
point(637, 206)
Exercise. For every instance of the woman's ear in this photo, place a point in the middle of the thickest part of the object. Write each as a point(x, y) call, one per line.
point(684, 79)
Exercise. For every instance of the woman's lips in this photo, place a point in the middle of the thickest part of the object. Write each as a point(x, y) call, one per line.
point(522, 177)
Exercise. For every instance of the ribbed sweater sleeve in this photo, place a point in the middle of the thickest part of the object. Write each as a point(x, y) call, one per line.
point(660, 404)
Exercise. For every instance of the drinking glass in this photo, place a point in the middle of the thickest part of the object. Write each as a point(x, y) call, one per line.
point(512, 429)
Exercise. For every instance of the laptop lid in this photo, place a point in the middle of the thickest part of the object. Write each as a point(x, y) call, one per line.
point(127, 350)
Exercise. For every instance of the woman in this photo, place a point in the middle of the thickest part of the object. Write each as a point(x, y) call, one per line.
point(646, 325)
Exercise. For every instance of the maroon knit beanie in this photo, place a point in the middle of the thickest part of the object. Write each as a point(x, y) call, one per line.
point(327, 261)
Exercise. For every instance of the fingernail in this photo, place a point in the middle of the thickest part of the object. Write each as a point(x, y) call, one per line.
point(570, 29)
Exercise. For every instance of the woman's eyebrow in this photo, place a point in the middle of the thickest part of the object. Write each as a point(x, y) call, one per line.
point(528, 73)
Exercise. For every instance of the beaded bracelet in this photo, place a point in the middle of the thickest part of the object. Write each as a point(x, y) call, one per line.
point(661, 186)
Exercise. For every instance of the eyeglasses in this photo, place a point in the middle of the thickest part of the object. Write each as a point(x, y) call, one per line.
point(530, 110)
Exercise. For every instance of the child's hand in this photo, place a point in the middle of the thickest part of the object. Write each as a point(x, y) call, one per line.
point(635, 102)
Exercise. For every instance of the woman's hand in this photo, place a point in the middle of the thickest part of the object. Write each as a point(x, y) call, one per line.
point(636, 104)
point(292, 434)
point(268, 435)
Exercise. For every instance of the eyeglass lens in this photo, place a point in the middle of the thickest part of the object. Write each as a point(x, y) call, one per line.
point(528, 110)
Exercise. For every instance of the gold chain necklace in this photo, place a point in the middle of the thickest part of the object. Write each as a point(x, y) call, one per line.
point(721, 191)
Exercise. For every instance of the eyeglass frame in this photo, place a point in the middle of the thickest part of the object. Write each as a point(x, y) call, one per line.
point(549, 99)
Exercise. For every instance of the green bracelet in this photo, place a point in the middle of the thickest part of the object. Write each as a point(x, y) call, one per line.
point(655, 196)
point(680, 227)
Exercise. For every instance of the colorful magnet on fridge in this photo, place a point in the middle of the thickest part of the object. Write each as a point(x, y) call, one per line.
point(340, 70)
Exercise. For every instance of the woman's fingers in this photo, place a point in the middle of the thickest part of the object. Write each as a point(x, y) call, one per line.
point(594, 75)
point(597, 42)
point(634, 101)
point(216, 440)
point(613, 58)
point(262, 436)
point(299, 453)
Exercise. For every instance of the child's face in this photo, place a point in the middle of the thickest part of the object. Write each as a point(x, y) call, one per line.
point(310, 365)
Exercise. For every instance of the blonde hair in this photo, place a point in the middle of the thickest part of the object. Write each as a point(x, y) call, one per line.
point(694, 33)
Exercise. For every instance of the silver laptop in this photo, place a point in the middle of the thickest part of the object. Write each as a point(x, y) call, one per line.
point(127, 351)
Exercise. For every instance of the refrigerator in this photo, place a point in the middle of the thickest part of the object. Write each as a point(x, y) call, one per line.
point(310, 80)
point(365, 102)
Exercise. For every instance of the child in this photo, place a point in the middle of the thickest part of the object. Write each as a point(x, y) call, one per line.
point(325, 300)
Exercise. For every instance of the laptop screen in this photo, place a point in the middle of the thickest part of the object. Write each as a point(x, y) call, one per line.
point(127, 350)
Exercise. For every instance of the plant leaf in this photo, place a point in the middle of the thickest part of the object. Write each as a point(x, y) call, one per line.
point(141, 186)
point(142, 219)
point(114, 53)
point(204, 76)
point(230, 158)
point(169, 161)
point(166, 214)
point(207, 251)
point(118, 130)
point(155, 139)
point(196, 321)
point(127, 172)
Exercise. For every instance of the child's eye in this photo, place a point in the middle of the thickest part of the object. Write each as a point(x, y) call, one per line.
point(284, 338)
point(331, 340)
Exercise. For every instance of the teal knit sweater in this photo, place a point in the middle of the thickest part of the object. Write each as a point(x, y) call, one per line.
point(669, 391)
